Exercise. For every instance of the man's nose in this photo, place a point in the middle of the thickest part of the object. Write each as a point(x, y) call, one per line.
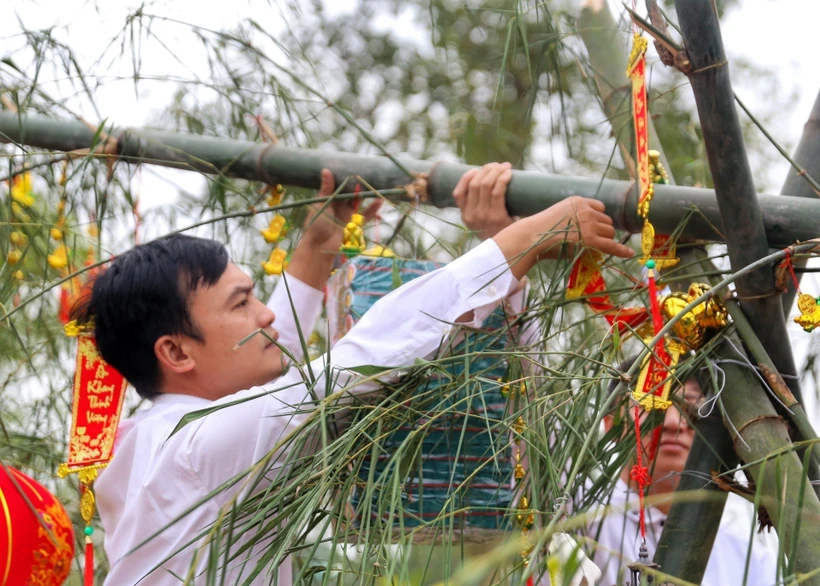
point(674, 418)
point(266, 317)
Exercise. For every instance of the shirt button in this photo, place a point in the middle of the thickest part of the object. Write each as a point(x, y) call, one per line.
point(492, 290)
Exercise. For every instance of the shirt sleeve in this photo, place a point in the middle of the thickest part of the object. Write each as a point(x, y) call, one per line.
point(407, 324)
point(296, 306)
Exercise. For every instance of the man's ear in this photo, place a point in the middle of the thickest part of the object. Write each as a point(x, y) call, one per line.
point(172, 354)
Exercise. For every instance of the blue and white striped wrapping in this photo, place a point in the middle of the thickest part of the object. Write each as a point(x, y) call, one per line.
point(454, 461)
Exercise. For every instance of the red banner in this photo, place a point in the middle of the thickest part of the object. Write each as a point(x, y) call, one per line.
point(99, 391)
point(655, 380)
point(636, 72)
point(586, 279)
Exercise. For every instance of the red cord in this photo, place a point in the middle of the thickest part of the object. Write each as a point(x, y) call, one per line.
point(639, 472)
point(356, 199)
point(791, 269)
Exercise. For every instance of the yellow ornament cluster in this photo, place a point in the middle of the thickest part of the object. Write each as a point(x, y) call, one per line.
point(277, 228)
point(353, 236)
point(277, 262)
point(58, 260)
point(696, 326)
point(22, 196)
point(809, 307)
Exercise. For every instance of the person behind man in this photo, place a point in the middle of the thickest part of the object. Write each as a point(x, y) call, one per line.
point(169, 315)
point(617, 534)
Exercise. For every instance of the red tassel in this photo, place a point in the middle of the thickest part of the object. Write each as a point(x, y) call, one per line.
point(529, 581)
point(657, 320)
point(89, 562)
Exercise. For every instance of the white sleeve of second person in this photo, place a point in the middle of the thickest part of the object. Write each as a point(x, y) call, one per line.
point(296, 306)
point(403, 326)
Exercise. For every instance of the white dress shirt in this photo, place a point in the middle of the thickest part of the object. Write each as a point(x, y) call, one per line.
point(619, 545)
point(155, 477)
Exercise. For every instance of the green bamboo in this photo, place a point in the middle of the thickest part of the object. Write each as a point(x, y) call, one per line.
point(732, 176)
point(786, 219)
point(747, 406)
point(759, 434)
point(607, 49)
point(691, 526)
point(796, 413)
point(807, 155)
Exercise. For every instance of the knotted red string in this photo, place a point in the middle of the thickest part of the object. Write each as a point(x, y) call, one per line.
point(790, 264)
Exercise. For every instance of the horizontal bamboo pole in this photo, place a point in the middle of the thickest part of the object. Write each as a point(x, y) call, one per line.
point(786, 219)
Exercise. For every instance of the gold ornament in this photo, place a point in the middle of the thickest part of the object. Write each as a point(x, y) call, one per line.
point(87, 502)
point(519, 426)
point(276, 263)
point(692, 329)
point(276, 229)
point(353, 237)
point(809, 317)
point(14, 256)
point(56, 234)
point(275, 195)
point(656, 170)
point(18, 238)
point(59, 259)
point(525, 517)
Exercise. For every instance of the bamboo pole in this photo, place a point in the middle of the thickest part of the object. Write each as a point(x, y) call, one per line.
point(759, 434)
point(608, 55)
point(786, 219)
point(808, 156)
point(691, 527)
point(748, 407)
point(732, 176)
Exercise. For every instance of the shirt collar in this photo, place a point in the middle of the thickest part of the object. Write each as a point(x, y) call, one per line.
point(169, 399)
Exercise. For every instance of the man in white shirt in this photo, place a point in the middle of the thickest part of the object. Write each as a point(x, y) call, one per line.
point(618, 535)
point(170, 314)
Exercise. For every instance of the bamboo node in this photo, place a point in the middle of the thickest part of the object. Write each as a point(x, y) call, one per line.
point(417, 190)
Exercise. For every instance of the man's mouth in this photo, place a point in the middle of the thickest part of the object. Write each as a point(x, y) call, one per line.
point(275, 336)
point(672, 445)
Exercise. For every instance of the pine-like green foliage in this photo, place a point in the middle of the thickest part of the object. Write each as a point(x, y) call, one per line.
point(478, 81)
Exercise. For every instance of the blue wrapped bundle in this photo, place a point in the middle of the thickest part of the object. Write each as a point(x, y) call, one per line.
point(450, 464)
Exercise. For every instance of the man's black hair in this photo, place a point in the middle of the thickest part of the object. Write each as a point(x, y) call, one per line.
point(144, 295)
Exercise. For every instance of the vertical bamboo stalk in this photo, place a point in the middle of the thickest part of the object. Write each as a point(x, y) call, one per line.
point(734, 187)
point(807, 156)
point(607, 47)
point(691, 526)
point(760, 433)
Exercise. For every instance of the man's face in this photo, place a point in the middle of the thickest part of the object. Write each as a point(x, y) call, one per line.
point(675, 442)
point(224, 314)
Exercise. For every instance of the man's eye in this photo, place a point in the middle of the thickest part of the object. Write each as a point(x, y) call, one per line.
point(242, 304)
